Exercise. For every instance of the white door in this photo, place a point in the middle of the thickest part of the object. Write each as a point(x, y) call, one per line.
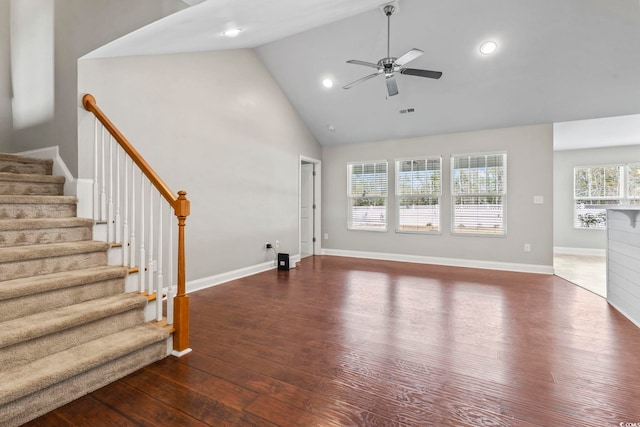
point(306, 209)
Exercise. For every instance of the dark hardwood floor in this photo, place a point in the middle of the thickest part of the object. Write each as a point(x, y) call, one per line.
point(342, 341)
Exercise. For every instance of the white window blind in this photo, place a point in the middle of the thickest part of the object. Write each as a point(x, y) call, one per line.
point(418, 192)
point(367, 184)
point(479, 187)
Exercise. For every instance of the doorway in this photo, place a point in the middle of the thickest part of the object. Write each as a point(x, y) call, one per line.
point(309, 207)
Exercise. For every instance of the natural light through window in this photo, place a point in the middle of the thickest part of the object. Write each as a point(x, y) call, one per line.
point(367, 187)
point(595, 187)
point(479, 186)
point(418, 192)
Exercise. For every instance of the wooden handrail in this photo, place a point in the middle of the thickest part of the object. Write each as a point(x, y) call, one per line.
point(89, 103)
point(181, 207)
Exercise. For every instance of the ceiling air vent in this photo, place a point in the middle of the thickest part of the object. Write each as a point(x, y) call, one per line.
point(407, 110)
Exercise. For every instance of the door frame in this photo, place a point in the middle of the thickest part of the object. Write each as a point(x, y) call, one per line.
point(317, 180)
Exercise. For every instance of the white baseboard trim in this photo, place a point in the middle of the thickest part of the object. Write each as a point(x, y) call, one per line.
point(218, 279)
point(452, 262)
point(180, 353)
point(579, 251)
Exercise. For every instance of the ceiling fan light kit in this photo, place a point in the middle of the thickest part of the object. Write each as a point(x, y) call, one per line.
point(391, 65)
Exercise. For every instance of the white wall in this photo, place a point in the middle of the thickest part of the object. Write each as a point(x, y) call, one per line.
point(564, 234)
point(5, 79)
point(529, 164)
point(79, 27)
point(218, 126)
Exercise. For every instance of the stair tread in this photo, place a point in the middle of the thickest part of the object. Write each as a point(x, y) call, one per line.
point(42, 373)
point(49, 282)
point(31, 177)
point(41, 223)
point(40, 324)
point(24, 159)
point(24, 253)
point(73, 343)
point(17, 158)
point(30, 199)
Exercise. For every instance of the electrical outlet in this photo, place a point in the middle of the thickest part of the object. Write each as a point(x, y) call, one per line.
point(326, 236)
point(267, 245)
point(527, 247)
point(277, 244)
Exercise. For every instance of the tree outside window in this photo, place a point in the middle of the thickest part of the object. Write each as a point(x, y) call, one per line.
point(367, 187)
point(479, 186)
point(596, 187)
point(418, 191)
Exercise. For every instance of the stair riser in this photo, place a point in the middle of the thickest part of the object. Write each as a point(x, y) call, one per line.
point(25, 210)
point(41, 236)
point(20, 411)
point(13, 166)
point(45, 301)
point(35, 267)
point(67, 334)
point(31, 188)
point(25, 352)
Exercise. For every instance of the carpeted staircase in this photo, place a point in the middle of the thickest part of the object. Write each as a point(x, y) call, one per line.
point(66, 325)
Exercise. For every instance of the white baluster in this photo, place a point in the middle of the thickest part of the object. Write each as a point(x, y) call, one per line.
point(125, 222)
point(117, 224)
point(96, 203)
point(103, 195)
point(171, 292)
point(159, 278)
point(110, 220)
point(132, 263)
point(151, 263)
point(142, 225)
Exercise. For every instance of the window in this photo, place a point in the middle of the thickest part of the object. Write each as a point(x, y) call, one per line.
point(633, 184)
point(479, 187)
point(418, 191)
point(597, 186)
point(367, 191)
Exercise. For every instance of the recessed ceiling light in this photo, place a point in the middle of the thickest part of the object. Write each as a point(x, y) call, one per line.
point(488, 47)
point(331, 128)
point(327, 83)
point(233, 32)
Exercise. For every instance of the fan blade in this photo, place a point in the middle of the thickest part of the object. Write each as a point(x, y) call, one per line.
point(350, 85)
point(366, 64)
point(421, 73)
point(392, 86)
point(409, 56)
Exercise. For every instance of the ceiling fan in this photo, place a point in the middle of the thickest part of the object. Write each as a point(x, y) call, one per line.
point(390, 65)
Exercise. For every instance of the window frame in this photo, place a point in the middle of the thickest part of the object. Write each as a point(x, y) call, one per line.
point(350, 197)
point(502, 195)
point(623, 197)
point(634, 200)
point(398, 196)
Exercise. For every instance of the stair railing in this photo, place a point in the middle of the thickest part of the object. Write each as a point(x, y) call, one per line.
point(124, 200)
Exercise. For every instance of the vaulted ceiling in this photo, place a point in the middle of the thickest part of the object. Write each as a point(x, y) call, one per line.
point(556, 60)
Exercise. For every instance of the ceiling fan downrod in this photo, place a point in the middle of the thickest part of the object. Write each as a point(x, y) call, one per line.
point(388, 10)
point(391, 65)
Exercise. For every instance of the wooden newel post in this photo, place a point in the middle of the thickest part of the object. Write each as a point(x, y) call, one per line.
point(181, 300)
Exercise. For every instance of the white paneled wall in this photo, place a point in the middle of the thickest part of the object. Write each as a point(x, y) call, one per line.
point(623, 261)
